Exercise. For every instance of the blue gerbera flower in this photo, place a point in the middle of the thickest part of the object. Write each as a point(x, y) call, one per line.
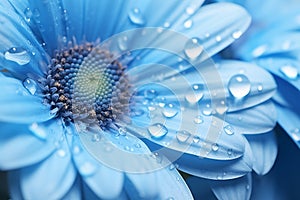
point(82, 118)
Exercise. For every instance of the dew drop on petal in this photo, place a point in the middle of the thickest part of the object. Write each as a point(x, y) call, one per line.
point(195, 95)
point(157, 130)
point(30, 85)
point(170, 110)
point(215, 147)
point(136, 17)
point(28, 14)
point(260, 50)
point(295, 134)
point(237, 34)
point(167, 25)
point(150, 94)
point(182, 136)
point(198, 119)
point(190, 10)
point(96, 137)
point(76, 150)
point(38, 131)
point(87, 169)
point(229, 152)
point(229, 130)
point(193, 48)
point(207, 110)
point(123, 43)
point(196, 139)
point(122, 131)
point(61, 153)
point(218, 38)
point(171, 167)
point(239, 86)
point(289, 71)
point(260, 87)
point(188, 24)
point(18, 55)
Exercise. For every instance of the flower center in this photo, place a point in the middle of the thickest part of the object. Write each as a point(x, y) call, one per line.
point(85, 83)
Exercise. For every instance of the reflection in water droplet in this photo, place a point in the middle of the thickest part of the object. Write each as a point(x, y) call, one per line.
point(237, 34)
point(123, 43)
point(182, 136)
point(87, 169)
point(198, 119)
point(196, 139)
point(188, 24)
point(229, 130)
point(193, 48)
point(30, 85)
point(170, 110)
point(207, 110)
point(289, 71)
point(260, 87)
point(215, 147)
point(150, 94)
point(239, 86)
point(157, 130)
point(136, 17)
point(190, 10)
point(18, 55)
point(259, 50)
point(38, 131)
point(61, 153)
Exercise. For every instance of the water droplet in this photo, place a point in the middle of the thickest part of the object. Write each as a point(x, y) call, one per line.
point(61, 153)
point(157, 130)
point(190, 10)
point(196, 139)
point(38, 131)
point(122, 131)
point(18, 55)
point(30, 85)
point(136, 112)
point(237, 34)
point(289, 71)
point(170, 110)
point(182, 136)
point(247, 187)
point(171, 167)
point(295, 134)
point(161, 101)
point(260, 50)
point(188, 24)
point(76, 150)
point(122, 43)
point(218, 38)
point(28, 14)
point(198, 119)
point(229, 152)
point(87, 169)
point(96, 137)
point(207, 110)
point(150, 94)
point(260, 87)
point(195, 95)
point(137, 145)
point(136, 17)
point(193, 48)
point(239, 86)
point(215, 147)
point(167, 24)
point(229, 130)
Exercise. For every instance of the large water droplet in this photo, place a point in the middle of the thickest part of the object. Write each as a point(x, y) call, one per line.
point(30, 85)
point(198, 119)
point(188, 24)
point(289, 71)
point(170, 110)
point(182, 136)
point(239, 86)
point(207, 110)
point(136, 17)
point(229, 130)
point(196, 139)
point(28, 14)
point(38, 131)
point(87, 169)
point(18, 55)
point(157, 130)
point(193, 48)
point(150, 94)
point(195, 95)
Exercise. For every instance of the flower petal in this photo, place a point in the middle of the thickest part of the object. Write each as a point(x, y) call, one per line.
point(56, 169)
point(264, 148)
point(18, 105)
point(75, 192)
point(19, 147)
point(239, 188)
point(255, 120)
point(106, 182)
point(31, 57)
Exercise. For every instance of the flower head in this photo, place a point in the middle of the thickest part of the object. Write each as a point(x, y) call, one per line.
point(110, 117)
